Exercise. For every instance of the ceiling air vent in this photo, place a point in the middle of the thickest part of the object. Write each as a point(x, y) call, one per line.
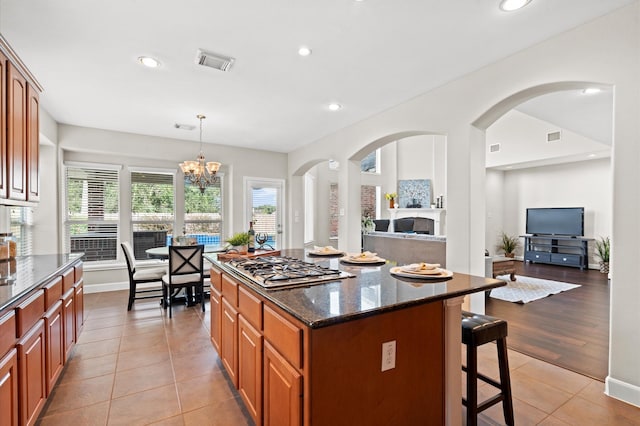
point(554, 136)
point(214, 60)
point(494, 147)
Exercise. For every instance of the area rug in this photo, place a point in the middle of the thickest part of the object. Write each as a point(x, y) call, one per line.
point(528, 289)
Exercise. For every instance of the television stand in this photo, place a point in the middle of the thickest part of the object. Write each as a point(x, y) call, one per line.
point(557, 250)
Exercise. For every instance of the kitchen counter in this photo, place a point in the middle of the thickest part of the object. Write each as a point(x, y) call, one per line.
point(387, 348)
point(372, 290)
point(31, 273)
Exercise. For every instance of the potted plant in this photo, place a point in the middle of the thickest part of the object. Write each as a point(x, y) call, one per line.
point(367, 224)
point(239, 242)
point(603, 245)
point(508, 244)
point(391, 197)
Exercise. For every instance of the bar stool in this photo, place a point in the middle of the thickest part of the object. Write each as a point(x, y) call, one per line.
point(476, 331)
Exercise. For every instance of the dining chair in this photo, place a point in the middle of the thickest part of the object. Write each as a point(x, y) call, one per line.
point(185, 271)
point(141, 276)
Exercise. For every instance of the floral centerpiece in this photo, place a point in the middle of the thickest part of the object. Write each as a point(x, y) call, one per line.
point(391, 196)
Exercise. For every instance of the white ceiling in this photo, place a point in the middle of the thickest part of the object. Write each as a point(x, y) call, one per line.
point(368, 56)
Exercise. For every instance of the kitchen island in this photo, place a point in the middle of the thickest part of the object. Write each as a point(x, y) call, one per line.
point(41, 316)
point(369, 349)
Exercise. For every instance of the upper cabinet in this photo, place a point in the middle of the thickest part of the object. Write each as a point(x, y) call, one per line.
point(19, 134)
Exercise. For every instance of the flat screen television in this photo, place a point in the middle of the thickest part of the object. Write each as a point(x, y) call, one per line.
point(562, 221)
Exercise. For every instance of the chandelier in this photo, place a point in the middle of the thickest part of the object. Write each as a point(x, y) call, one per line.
point(196, 172)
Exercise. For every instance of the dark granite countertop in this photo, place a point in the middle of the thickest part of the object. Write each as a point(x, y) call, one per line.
point(371, 291)
point(32, 272)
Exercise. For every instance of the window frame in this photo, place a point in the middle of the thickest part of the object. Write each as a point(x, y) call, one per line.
point(66, 222)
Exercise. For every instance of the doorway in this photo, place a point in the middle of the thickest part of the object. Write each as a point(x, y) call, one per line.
point(264, 208)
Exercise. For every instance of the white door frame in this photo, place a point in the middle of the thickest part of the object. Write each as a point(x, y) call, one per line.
point(248, 183)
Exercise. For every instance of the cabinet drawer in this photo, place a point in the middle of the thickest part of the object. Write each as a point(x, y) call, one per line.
point(68, 279)
point(536, 256)
point(230, 290)
point(29, 311)
point(250, 307)
point(216, 279)
point(284, 336)
point(52, 292)
point(7, 332)
point(567, 259)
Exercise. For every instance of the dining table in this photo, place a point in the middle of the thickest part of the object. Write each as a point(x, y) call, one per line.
point(163, 252)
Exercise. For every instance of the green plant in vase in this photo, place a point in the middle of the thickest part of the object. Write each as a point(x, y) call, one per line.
point(508, 244)
point(603, 246)
point(239, 241)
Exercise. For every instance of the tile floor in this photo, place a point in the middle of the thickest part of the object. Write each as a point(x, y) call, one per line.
point(139, 367)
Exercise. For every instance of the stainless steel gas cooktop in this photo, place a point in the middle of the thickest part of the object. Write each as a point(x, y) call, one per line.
point(273, 272)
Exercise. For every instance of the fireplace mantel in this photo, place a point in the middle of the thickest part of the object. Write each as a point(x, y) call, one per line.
point(437, 215)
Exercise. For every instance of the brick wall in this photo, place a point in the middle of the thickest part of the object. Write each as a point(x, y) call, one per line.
point(368, 201)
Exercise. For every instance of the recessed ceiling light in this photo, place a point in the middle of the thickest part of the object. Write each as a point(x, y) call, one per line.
point(304, 51)
point(591, 155)
point(148, 61)
point(511, 5)
point(591, 90)
point(335, 107)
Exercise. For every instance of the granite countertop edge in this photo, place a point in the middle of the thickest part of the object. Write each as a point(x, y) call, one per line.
point(271, 296)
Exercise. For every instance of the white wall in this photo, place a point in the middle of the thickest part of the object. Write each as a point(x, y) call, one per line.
point(523, 139)
point(103, 146)
point(423, 157)
point(582, 184)
point(604, 51)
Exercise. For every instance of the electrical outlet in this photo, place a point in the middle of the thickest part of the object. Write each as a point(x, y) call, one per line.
point(388, 355)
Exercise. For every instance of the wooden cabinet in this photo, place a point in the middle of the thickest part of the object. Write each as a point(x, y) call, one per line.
point(9, 388)
point(54, 340)
point(19, 118)
point(33, 144)
point(282, 389)
point(215, 300)
point(16, 134)
point(31, 373)
point(229, 340)
point(250, 367)
point(68, 321)
point(79, 308)
point(557, 250)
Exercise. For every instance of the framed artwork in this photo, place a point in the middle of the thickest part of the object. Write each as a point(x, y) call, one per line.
point(414, 193)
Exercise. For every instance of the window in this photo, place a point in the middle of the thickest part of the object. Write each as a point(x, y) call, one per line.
point(368, 201)
point(92, 211)
point(152, 210)
point(203, 213)
point(21, 228)
point(371, 163)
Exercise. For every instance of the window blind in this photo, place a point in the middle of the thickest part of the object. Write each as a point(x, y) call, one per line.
point(92, 211)
point(152, 210)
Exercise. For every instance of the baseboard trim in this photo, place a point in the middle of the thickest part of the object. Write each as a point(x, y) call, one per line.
point(623, 391)
point(116, 286)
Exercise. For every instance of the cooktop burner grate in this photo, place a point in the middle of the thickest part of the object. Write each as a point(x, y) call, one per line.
point(281, 271)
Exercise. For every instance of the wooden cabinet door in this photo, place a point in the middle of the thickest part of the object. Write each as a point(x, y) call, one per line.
point(31, 371)
point(16, 134)
point(69, 322)
point(282, 390)
point(54, 339)
point(229, 340)
point(33, 144)
point(79, 307)
point(3, 126)
point(216, 318)
point(250, 368)
point(9, 389)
